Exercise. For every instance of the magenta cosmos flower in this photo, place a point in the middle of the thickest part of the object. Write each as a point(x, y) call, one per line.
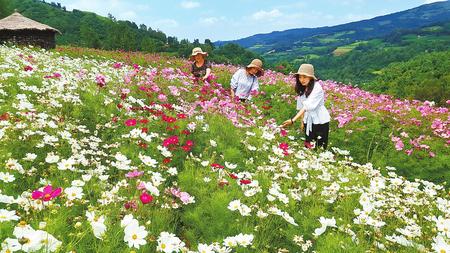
point(47, 194)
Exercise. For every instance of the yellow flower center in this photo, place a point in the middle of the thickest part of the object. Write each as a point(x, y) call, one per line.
point(47, 196)
point(134, 237)
point(442, 251)
point(163, 246)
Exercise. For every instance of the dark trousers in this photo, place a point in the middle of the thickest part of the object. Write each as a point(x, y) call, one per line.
point(319, 134)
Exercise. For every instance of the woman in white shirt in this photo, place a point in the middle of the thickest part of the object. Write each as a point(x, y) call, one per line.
point(245, 81)
point(311, 106)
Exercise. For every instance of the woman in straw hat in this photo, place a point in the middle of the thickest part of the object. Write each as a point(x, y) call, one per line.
point(311, 106)
point(245, 81)
point(201, 68)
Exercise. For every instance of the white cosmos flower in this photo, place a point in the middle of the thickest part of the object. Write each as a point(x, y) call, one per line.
point(66, 164)
point(234, 205)
point(49, 242)
point(51, 158)
point(6, 215)
point(10, 245)
point(440, 245)
point(169, 243)
point(6, 177)
point(128, 220)
point(30, 157)
point(135, 235)
point(245, 210)
point(148, 161)
point(204, 248)
point(325, 223)
point(230, 166)
point(74, 192)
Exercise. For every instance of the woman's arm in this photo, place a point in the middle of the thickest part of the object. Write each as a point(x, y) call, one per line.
point(208, 72)
point(295, 118)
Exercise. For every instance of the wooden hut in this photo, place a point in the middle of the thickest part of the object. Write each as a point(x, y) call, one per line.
point(20, 30)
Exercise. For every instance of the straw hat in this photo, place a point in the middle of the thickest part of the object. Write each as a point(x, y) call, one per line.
point(306, 70)
point(257, 63)
point(197, 51)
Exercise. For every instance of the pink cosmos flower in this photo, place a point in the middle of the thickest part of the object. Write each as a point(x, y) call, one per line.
point(133, 174)
point(185, 197)
point(101, 80)
point(162, 97)
point(47, 194)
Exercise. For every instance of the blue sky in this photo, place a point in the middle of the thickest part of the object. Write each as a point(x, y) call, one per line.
point(228, 20)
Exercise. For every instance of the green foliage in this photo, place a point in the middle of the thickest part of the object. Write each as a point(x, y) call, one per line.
point(4, 8)
point(90, 30)
point(425, 77)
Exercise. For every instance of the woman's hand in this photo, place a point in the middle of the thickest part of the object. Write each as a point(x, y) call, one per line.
point(287, 123)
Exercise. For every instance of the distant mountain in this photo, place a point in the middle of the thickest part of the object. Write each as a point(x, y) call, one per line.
point(290, 44)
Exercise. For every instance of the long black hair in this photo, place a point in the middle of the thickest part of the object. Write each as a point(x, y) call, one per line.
point(300, 89)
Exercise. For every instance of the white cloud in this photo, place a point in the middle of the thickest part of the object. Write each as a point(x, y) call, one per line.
point(209, 20)
point(190, 4)
point(166, 23)
point(260, 15)
point(433, 1)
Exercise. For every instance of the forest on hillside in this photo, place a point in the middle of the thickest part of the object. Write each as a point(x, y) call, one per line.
point(87, 29)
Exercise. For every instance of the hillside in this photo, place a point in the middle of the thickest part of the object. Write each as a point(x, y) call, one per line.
point(291, 44)
point(117, 152)
point(87, 29)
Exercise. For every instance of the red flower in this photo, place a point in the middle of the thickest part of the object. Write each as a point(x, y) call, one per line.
point(284, 146)
point(28, 68)
point(186, 148)
point(130, 122)
point(143, 121)
point(143, 145)
point(167, 160)
point(233, 176)
point(186, 132)
point(283, 132)
point(47, 194)
point(217, 166)
point(189, 143)
point(181, 116)
point(114, 119)
point(120, 106)
point(146, 198)
point(144, 130)
point(245, 181)
point(168, 119)
point(172, 140)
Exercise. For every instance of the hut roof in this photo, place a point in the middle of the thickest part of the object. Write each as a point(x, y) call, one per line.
point(17, 22)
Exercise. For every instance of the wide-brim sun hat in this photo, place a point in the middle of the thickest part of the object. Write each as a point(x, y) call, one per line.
point(197, 51)
point(257, 63)
point(306, 70)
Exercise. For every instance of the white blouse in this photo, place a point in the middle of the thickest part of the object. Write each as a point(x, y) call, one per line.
point(244, 84)
point(315, 111)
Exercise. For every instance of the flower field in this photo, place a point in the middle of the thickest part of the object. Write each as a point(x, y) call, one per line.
point(116, 152)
